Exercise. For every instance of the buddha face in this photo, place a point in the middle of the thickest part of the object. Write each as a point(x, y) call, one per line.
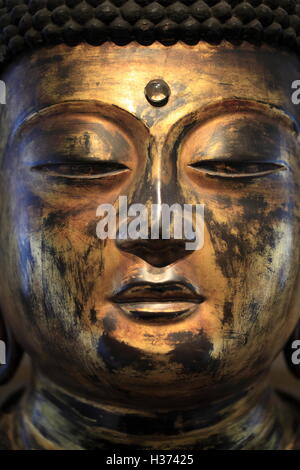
point(146, 321)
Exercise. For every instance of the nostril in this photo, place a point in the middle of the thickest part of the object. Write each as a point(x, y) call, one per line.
point(158, 253)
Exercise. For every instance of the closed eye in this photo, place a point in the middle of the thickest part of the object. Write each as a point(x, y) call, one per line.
point(85, 170)
point(236, 169)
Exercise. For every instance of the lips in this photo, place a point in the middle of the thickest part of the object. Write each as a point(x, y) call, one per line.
point(157, 302)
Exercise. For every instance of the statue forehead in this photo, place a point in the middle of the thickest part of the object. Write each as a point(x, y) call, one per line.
point(198, 76)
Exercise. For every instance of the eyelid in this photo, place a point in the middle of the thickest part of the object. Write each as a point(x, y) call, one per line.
point(236, 168)
point(84, 169)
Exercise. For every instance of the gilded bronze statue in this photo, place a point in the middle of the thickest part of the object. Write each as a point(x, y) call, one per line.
point(141, 343)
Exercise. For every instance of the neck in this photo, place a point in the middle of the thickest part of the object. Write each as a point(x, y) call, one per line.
point(51, 418)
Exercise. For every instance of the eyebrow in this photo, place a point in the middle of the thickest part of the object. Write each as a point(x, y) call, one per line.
point(209, 111)
point(73, 106)
point(231, 106)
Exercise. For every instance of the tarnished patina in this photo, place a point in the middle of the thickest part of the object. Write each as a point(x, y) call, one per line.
point(106, 375)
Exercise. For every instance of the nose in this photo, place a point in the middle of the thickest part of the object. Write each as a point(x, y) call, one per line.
point(158, 253)
point(162, 239)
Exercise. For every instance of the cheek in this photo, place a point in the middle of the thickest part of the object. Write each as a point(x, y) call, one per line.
point(257, 250)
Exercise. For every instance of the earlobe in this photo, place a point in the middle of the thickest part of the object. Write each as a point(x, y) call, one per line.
point(292, 352)
point(12, 353)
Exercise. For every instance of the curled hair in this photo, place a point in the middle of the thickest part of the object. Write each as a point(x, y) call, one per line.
point(30, 23)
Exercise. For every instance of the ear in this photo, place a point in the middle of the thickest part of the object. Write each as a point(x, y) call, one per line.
point(292, 352)
point(12, 353)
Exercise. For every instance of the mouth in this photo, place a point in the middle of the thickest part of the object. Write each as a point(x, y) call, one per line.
point(157, 302)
